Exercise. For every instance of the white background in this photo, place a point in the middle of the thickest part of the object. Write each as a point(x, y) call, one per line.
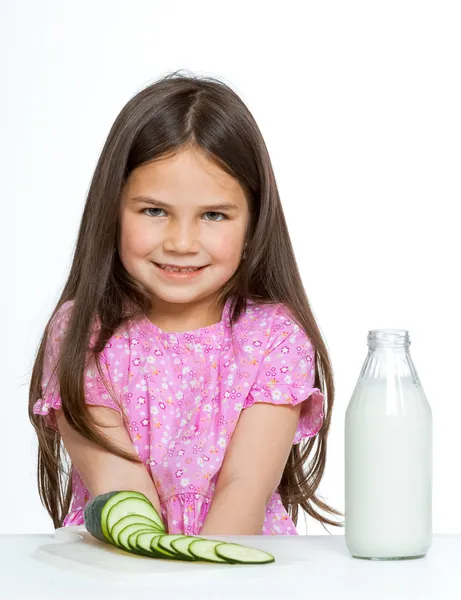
point(359, 103)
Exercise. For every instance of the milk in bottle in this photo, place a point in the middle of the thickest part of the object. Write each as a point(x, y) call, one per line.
point(388, 455)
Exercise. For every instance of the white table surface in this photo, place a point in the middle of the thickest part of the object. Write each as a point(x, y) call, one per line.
point(328, 571)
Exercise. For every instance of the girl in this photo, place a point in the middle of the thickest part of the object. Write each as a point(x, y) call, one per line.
point(182, 359)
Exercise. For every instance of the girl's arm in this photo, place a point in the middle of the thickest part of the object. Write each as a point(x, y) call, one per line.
point(101, 470)
point(252, 469)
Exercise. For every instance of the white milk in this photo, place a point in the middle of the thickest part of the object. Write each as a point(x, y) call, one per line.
point(388, 469)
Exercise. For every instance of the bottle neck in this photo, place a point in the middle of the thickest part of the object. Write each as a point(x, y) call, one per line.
point(392, 339)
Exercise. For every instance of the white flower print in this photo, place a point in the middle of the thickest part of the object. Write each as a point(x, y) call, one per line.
point(179, 395)
point(180, 452)
point(285, 350)
point(179, 473)
point(276, 395)
point(141, 400)
point(185, 370)
point(200, 462)
point(184, 482)
point(288, 379)
point(248, 349)
point(238, 406)
point(207, 407)
point(150, 359)
point(154, 410)
point(222, 442)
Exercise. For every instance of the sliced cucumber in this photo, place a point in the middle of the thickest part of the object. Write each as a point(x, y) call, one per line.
point(131, 506)
point(181, 545)
point(114, 499)
point(205, 550)
point(144, 545)
point(129, 520)
point(139, 542)
point(165, 542)
point(96, 509)
point(159, 550)
point(134, 528)
point(236, 553)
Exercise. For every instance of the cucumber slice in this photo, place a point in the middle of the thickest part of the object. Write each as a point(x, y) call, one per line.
point(111, 502)
point(146, 551)
point(236, 553)
point(165, 542)
point(159, 550)
point(129, 520)
point(205, 550)
point(124, 535)
point(96, 509)
point(181, 545)
point(143, 543)
point(131, 506)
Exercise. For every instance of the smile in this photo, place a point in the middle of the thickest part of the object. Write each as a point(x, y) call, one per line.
point(175, 272)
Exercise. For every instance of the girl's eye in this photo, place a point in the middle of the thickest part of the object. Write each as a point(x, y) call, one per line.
point(152, 209)
point(208, 213)
point(217, 213)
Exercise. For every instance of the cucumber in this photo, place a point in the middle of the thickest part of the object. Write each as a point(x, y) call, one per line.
point(129, 520)
point(144, 545)
point(131, 506)
point(92, 515)
point(98, 508)
point(181, 545)
point(123, 538)
point(238, 554)
point(112, 501)
point(154, 545)
point(165, 542)
point(205, 550)
point(140, 540)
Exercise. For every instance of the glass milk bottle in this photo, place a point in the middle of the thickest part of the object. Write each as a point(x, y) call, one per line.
point(388, 455)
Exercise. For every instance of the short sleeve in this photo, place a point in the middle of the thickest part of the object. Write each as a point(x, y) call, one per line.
point(287, 375)
point(96, 392)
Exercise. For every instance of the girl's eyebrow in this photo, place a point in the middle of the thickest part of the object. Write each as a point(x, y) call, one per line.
point(209, 207)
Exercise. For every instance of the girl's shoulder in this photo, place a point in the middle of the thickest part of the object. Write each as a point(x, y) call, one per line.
point(267, 317)
point(60, 321)
point(265, 328)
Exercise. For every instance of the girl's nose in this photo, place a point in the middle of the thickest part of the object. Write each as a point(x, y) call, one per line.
point(183, 238)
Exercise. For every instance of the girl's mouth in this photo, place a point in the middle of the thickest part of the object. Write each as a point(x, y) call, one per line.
point(171, 272)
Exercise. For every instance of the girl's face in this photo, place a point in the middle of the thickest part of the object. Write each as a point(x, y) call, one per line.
point(182, 211)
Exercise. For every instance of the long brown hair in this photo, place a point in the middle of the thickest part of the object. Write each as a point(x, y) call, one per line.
point(175, 112)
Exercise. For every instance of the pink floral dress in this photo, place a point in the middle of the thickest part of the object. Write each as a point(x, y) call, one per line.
point(183, 394)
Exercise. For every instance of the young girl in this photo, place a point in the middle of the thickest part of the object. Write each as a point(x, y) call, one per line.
point(182, 359)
